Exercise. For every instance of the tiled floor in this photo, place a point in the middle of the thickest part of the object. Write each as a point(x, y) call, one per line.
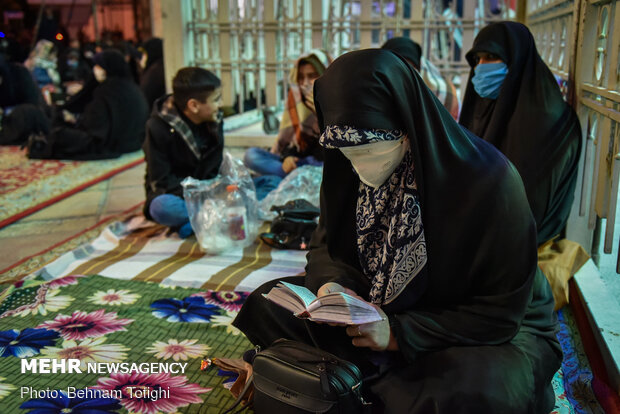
point(68, 217)
point(74, 214)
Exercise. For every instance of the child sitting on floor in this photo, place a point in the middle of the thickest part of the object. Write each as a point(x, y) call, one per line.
point(184, 137)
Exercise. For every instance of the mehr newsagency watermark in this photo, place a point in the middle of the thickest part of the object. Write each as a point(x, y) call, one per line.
point(75, 366)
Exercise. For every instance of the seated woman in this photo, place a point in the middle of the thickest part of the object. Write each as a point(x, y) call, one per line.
point(297, 142)
point(513, 101)
point(112, 122)
point(152, 80)
point(73, 68)
point(17, 88)
point(431, 225)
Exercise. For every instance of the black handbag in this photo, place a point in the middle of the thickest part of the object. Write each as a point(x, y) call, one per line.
point(299, 208)
point(291, 377)
point(293, 226)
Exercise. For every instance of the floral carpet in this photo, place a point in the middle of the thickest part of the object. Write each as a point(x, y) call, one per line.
point(98, 320)
point(28, 185)
point(95, 319)
point(53, 313)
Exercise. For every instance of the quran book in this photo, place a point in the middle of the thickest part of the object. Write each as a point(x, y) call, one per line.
point(336, 307)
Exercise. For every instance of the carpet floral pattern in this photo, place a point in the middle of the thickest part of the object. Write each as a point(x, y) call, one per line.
point(114, 322)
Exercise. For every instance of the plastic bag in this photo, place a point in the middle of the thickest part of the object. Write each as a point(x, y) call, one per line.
point(219, 222)
point(302, 183)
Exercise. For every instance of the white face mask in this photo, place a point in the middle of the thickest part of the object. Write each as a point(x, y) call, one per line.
point(376, 161)
point(99, 73)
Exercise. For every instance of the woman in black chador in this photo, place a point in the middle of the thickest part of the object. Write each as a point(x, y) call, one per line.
point(112, 122)
point(431, 225)
point(153, 79)
point(513, 101)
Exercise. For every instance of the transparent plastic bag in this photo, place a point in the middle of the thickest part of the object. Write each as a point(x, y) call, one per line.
point(302, 183)
point(223, 218)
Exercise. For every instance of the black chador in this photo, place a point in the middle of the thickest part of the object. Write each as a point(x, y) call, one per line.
point(529, 122)
point(475, 324)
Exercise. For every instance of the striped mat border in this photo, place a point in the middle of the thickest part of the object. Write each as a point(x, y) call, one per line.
point(140, 250)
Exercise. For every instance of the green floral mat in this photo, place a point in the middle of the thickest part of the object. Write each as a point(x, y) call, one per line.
point(100, 320)
point(95, 319)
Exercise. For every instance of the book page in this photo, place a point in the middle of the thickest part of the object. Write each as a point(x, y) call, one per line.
point(302, 292)
point(336, 307)
point(285, 299)
point(343, 299)
point(340, 307)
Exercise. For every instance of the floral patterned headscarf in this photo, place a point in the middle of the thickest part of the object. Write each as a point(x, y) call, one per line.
point(390, 234)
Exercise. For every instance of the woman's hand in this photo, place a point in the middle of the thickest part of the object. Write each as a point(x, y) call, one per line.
point(68, 117)
point(289, 164)
point(377, 336)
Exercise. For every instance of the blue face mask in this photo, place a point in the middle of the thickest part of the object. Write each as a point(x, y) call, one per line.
point(488, 79)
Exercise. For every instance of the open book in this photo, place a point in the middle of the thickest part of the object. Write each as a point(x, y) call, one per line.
point(335, 307)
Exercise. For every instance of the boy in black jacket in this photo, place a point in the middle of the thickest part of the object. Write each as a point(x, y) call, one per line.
point(184, 137)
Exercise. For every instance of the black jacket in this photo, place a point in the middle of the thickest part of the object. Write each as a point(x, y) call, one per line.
point(173, 151)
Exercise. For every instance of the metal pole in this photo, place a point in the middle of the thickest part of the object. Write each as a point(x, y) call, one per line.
point(136, 24)
point(95, 25)
point(38, 24)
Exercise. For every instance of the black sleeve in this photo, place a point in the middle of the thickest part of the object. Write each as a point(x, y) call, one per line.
point(500, 275)
point(95, 121)
point(289, 151)
point(28, 92)
point(78, 102)
point(161, 179)
point(323, 268)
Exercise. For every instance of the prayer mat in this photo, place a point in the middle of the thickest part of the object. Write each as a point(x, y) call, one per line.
point(27, 186)
point(102, 320)
point(144, 343)
point(138, 249)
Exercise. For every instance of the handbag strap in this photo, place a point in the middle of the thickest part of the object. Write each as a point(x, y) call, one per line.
point(242, 394)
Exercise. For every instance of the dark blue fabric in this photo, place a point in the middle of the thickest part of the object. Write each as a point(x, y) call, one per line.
point(170, 210)
point(265, 184)
point(263, 162)
point(267, 163)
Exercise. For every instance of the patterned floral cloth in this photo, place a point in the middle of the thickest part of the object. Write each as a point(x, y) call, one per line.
point(390, 234)
point(95, 319)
